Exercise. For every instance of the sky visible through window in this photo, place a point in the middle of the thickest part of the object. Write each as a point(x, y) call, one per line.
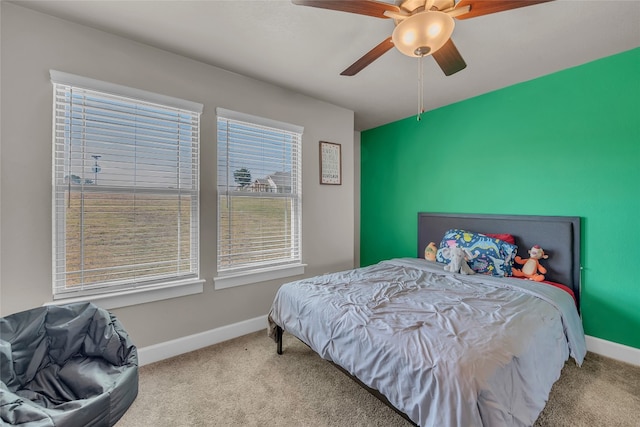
point(109, 142)
point(264, 152)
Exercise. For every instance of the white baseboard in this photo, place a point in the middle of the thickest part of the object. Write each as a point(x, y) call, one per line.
point(165, 350)
point(613, 350)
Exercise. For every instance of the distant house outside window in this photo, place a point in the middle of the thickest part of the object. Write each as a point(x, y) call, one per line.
point(125, 188)
point(259, 199)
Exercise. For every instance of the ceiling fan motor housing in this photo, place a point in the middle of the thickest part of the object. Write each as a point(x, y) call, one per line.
point(423, 33)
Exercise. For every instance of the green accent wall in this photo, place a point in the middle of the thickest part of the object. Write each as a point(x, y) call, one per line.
point(563, 144)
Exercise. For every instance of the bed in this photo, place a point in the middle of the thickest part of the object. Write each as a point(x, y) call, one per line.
point(442, 348)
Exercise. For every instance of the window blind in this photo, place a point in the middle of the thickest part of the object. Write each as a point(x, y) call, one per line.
point(259, 193)
point(126, 196)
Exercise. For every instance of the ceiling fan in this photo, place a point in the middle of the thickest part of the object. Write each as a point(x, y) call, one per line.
point(422, 27)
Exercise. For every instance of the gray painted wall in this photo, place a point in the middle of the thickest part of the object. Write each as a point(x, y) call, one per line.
point(31, 44)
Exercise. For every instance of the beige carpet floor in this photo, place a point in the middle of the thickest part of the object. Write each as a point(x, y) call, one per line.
point(243, 382)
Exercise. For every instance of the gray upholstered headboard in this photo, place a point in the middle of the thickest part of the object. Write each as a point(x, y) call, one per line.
point(559, 236)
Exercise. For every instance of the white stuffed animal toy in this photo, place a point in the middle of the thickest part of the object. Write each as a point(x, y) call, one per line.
point(458, 258)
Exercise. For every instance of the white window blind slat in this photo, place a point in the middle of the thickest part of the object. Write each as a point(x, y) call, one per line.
point(259, 193)
point(126, 196)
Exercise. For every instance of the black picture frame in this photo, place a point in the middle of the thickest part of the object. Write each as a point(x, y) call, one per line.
point(330, 163)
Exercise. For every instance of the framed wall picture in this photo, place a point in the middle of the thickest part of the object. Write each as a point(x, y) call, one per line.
point(330, 163)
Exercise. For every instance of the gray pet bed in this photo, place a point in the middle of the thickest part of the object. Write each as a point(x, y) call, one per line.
point(69, 365)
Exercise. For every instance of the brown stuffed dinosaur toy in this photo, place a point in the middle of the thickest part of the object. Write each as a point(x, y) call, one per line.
point(531, 266)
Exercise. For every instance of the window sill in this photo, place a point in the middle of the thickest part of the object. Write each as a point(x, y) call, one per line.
point(255, 276)
point(139, 296)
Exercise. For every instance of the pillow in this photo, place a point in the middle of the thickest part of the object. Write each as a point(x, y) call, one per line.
point(563, 287)
point(557, 285)
point(491, 256)
point(506, 237)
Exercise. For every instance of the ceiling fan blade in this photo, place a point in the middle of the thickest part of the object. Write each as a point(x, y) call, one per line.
point(449, 59)
point(368, 58)
point(485, 7)
point(361, 7)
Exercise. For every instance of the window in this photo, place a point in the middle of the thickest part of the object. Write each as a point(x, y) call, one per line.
point(259, 198)
point(125, 188)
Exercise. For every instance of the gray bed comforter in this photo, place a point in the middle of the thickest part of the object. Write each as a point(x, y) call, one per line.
point(445, 349)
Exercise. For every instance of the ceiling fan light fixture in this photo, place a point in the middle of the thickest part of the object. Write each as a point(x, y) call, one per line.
point(423, 33)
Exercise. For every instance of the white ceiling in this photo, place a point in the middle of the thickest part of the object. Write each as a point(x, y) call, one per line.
point(305, 49)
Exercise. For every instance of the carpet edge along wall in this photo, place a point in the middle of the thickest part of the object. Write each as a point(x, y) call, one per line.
point(565, 144)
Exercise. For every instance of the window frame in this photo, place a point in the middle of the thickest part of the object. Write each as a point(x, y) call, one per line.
point(230, 277)
point(111, 294)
